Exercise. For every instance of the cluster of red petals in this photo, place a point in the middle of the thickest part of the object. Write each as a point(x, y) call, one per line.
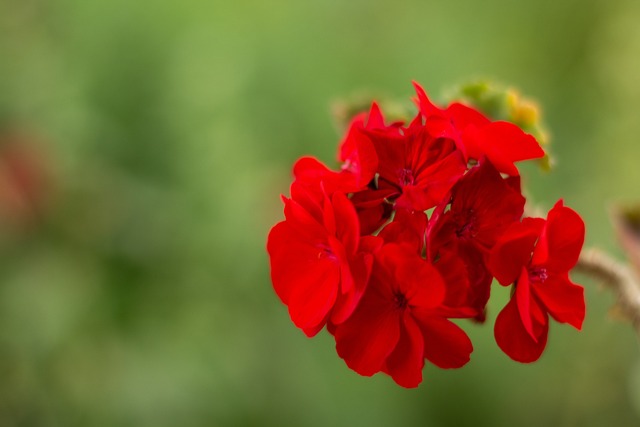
point(536, 256)
point(410, 232)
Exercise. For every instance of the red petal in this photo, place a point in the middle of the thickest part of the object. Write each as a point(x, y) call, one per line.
point(464, 270)
point(425, 105)
point(409, 274)
point(373, 209)
point(456, 277)
point(312, 332)
point(277, 243)
point(367, 338)
point(376, 119)
point(437, 213)
point(315, 293)
point(513, 250)
point(308, 169)
point(356, 174)
point(302, 221)
point(434, 183)
point(312, 173)
point(347, 282)
point(329, 216)
point(495, 205)
point(290, 258)
point(523, 300)
point(347, 223)
point(445, 344)
point(480, 280)
point(407, 227)
point(464, 116)
point(565, 237)
point(441, 127)
point(505, 143)
point(391, 154)
point(370, 244)
point(359, 270)
point(348, 144)
point(406, 361)
point(428, 289)
point(563, 299)
point(358, 156)
point(513, 338)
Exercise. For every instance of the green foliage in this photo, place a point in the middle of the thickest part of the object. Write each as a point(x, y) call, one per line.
point(137, 292)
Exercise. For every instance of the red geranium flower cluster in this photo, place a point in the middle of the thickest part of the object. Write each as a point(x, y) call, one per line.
point(410, 232)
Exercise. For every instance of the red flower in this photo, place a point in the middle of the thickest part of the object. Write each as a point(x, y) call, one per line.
point(476, 136)
point(536, 255)
point(397, 323)
point(357, 156)
point(319, 264)
point(361, 252)
point(415, 169)
point(482, 206)
point(25, 181)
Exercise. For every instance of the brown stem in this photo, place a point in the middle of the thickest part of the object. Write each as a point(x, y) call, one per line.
point(618, 277)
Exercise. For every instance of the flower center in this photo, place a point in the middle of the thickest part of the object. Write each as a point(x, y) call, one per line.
point(466, 225)
point(400, 300)
point(325, 252)
point(349, 166)
point(538, 274)
point(406, 177)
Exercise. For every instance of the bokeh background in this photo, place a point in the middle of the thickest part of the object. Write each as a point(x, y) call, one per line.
point(143, 148)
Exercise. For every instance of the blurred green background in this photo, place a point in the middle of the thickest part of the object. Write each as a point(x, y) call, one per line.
point(143, 148)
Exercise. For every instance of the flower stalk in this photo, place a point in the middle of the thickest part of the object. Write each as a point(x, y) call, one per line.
point(618, 277)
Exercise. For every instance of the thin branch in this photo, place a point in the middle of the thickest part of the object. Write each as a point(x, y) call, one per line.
point(618, 277)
